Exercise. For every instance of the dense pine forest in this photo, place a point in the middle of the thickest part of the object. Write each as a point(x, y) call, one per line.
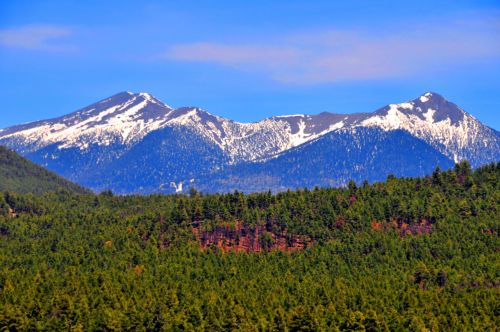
point(20, 175)
point(416, 254)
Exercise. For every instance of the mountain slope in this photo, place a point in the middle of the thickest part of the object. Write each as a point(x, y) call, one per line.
point(126, 118)
point(173, 158)
point(134, 143)
point(443, 125)
point(19, 175)
point(123, 118)
point(332, 160)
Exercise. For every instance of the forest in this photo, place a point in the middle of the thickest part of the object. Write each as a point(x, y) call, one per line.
point(20, 175)
point(405, 254)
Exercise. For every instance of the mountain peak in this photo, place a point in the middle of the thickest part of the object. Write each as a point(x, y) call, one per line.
point(123, 118)
point(149, 98)
point(442, 108)
point(430, 106)
point(430, 97)
point(131, 97)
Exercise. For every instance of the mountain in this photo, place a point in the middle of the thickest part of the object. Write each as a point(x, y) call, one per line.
point(443, 125)
point(19, 175)
point(134, 143)
point(347, 154)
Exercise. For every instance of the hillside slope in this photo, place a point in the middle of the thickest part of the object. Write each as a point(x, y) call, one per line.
point(413, 254)
point(20, 175)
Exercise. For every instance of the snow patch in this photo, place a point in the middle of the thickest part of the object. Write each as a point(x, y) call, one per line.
point(407, 106)
point(425, 97)
point(177, 187)
point(429, 115)
point(186, 119)
point(302, 137)
point(290, 116)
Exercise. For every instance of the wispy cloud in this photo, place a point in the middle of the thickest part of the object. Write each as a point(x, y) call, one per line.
point(37, 37)
point(339, 55)
point(235, 54)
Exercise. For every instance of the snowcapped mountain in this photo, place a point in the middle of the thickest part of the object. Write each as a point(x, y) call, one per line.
point(442, 124)
point(124, 118)
point(357, 154)
point(133, 142)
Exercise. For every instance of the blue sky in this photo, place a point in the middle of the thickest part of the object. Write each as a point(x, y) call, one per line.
point(248, 60)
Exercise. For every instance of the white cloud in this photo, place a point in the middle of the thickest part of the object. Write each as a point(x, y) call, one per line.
point(36, 37)
point(339, 55)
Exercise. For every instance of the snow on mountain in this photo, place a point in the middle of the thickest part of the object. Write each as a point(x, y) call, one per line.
point(124, 118)
point(355, 153)
point(442, 124)
point(135, 133)
point(244, 142)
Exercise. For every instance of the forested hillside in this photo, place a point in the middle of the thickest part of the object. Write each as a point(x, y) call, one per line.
point(416, 254)
point(20, 175)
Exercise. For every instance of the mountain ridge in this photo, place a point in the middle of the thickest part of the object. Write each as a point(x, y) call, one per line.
point(96, 141)
point(371, 152)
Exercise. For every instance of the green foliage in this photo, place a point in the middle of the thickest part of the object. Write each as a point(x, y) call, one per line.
point(104, 262)
point(19, 175)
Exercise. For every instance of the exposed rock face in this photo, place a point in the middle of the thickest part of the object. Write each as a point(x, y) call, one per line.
point(403, 228)
point(240, 237)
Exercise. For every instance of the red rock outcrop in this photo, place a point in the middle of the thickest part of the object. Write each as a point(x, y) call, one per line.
point(422, 227)
point(240, 237)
